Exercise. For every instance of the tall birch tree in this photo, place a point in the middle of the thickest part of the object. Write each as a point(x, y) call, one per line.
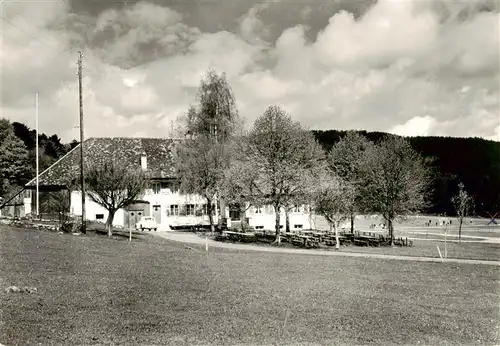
point(210, 126)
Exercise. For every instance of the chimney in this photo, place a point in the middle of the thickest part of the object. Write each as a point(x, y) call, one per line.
point(144, 162)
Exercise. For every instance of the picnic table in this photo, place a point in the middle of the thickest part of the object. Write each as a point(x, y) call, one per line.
point(304, 240)
point(238, 236)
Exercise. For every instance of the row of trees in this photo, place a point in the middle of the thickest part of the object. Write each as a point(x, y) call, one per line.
point(278, 162)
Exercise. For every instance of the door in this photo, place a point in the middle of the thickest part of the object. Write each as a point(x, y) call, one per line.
point(157, 213)
point(235, 212)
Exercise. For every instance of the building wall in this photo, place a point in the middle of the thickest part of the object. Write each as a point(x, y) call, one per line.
point(165, 198)
point(19, 206)
point(93, 211)
point(264, 218)
point(160, 207)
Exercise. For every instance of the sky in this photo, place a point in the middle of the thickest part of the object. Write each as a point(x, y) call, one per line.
point(413, 67)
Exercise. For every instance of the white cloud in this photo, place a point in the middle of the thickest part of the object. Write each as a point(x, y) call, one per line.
point(387, 33)
point(417, 126)
point(399, 68)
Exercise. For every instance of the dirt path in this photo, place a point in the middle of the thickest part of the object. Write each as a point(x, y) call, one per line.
point(191, 238)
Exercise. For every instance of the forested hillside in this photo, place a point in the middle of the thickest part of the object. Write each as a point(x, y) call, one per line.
point(473, 161)
point(50, 147)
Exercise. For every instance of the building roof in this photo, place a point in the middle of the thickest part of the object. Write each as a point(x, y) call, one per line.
point(159, 153)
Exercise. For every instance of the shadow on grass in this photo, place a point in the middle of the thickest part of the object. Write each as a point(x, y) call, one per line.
point(98, 229)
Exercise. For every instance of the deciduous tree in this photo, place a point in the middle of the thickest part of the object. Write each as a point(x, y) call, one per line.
point(216, 114)
point(238, 183)
point(201, 164)
point(280, 156)
point(212, 123)
point(113, 186)
point(333, 200)
point(397, 180)
point(463, 203)
point(346, 159)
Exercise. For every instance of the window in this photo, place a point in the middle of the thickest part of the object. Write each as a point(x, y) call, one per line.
point(205, 209)
point(190, 210)
point(174, 209)
point(257, 210)
point(156, 188)
point(173, 186)
point(235, 214)
point(259, 227)
point(296, 209)
point(298, 226)
point(99, 216)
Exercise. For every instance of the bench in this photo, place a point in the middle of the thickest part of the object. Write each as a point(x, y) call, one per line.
point(237, 236)
point(361, 242)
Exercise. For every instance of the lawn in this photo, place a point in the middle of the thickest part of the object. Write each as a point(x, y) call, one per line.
point(95, 290)
point(427, 248)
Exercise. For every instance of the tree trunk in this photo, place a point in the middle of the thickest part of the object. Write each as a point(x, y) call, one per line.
point(460, 230)
point(391, 231)
point(210, 216)
point(337, 242)
point(222, 214)
point(310, 215)
point(243, 220)
point(287, 220)
point(277, 225)
point(109, 222)
point(352, 223)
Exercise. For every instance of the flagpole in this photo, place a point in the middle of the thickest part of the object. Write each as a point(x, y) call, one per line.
point(37, 163)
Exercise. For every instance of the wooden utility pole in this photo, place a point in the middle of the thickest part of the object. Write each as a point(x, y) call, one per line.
point(37, 160)
point(82, 179)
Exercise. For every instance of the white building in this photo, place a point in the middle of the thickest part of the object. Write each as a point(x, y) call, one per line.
point(161, 200)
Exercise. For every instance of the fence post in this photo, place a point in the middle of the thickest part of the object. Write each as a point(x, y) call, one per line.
point(439, 251)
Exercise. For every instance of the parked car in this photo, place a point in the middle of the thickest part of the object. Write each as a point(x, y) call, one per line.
point(146, 222)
